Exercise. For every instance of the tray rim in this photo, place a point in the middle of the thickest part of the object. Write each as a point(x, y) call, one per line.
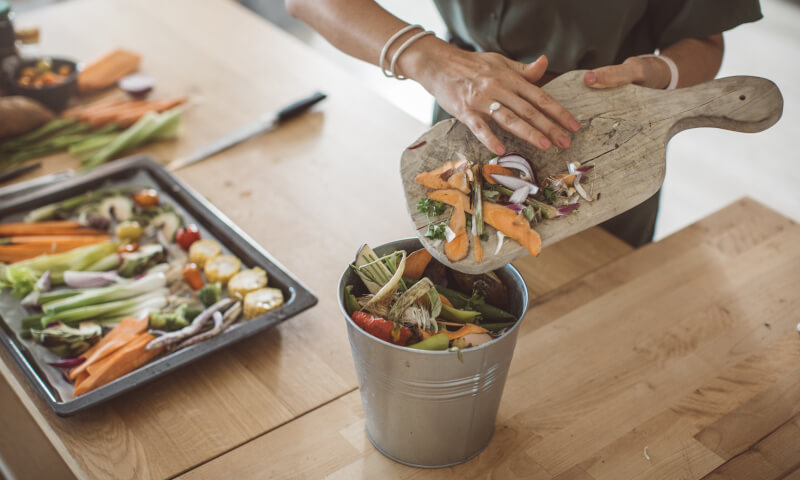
point(300, 296)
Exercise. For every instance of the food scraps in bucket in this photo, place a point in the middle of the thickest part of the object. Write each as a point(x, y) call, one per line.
point(399, 302)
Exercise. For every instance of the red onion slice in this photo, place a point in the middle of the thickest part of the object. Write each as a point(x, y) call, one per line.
point(77, 279)
point(518, 162)
point(137, 85)
point(581, 191)
point(520, 194)
point(516, 207)
point(514, 183)
point(584, 168)
point(567, 209)
point(68, 363)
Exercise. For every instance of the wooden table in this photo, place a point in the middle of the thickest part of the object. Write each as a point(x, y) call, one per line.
point(684, 351)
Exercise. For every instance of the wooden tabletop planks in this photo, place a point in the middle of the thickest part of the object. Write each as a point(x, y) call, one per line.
point(687, 347)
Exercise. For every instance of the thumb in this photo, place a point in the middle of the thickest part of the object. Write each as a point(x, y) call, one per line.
point(611, 76)
point(532, 72)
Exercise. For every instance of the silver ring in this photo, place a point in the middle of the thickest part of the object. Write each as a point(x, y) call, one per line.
point(495, 106)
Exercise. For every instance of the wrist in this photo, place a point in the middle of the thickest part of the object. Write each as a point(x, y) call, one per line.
point(656, 72)
point(419, 61)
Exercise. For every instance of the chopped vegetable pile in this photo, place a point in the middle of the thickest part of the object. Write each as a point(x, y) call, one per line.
point(416, 302)
point(503, 194)
point(113, 278)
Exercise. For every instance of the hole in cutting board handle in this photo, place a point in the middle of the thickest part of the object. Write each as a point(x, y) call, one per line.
point(742, 97)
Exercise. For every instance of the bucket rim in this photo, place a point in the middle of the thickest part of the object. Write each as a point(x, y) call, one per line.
point(512, 270)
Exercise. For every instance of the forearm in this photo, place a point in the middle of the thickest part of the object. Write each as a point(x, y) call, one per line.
point(698, 59)
point(360, 28)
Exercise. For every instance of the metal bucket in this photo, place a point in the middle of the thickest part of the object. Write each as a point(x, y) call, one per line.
point(428, 408)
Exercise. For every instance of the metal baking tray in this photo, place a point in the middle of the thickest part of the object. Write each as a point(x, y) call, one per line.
point(195, 209)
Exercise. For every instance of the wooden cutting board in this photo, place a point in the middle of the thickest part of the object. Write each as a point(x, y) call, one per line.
point(624, 133)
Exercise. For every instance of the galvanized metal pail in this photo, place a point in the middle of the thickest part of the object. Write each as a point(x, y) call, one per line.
point(428, 408)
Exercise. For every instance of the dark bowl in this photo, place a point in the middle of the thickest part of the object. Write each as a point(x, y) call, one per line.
point(54, 97)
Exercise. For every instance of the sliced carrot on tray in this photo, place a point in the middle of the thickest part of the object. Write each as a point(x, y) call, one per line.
point(124, 360)
point(116, 338)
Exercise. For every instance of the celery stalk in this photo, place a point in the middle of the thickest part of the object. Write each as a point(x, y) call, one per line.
point(120, 291)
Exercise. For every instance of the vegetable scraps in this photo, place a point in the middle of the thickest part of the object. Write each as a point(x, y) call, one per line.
point(401, 305)
point(504, 194)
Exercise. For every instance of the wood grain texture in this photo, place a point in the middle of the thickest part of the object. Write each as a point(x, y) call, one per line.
point(664, 348)
point(624, 132)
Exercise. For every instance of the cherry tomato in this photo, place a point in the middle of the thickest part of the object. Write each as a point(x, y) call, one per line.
point(128, 248)
point(147, 198)
point(192, 276)
point(187, 235)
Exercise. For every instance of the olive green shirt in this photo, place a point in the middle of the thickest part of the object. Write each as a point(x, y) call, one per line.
point(585, 34)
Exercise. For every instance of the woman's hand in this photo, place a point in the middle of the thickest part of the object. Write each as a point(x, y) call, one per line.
point(645, 71)
point(466, 84)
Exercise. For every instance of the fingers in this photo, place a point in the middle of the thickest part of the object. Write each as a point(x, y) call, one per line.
point(538, 129)
point(540, 100)
point(483, 133)
point(532, 72)
point(612, 76)
point(521, 128)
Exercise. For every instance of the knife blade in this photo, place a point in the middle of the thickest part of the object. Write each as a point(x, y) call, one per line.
point(263, 124)
point(34, 183)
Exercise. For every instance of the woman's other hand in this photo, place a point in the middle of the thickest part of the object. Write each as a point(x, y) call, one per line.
point(645, 71)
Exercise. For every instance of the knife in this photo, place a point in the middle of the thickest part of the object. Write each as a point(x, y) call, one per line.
point(34, 183)
point(264, 124)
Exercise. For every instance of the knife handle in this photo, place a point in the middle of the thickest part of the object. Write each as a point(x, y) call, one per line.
point(300, 106)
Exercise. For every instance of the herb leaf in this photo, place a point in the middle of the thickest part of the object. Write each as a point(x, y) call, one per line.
point(431, 208)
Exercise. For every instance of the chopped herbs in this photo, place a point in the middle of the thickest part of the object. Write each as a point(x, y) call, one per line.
point(435, 232)
point(484, 237)
point(431, 208)
point(549, 195)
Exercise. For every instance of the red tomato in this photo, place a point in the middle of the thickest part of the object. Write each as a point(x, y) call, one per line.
point(187, 235)
point(381, 328)
point(147, 198)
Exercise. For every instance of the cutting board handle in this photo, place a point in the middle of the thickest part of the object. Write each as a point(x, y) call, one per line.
point(741, 104)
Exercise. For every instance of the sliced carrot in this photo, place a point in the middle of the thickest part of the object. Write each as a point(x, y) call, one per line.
point(442, 177)
point(50, 239)
point(504, 219)
point(128, 118)
point(46, 228)
point(467, 329)
point(457, 248)
point(123, 361)
point(416, 263)
point(476, 243)
point(87, 110)
point(445, 300)
point(489, 170)
point(116, 338)
point(459, 182)
point(567, 178)
point(107, 70)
